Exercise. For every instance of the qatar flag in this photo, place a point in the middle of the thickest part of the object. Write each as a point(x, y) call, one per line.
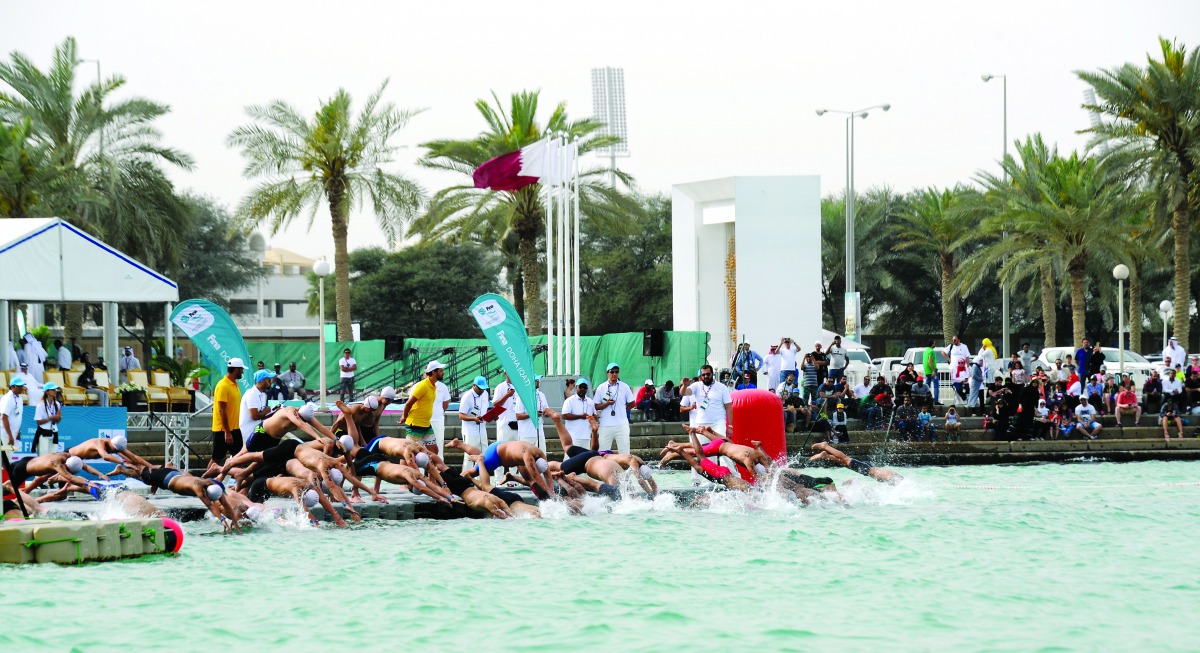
point(514, 170)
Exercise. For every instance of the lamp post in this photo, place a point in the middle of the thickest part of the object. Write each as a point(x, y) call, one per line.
point(1121, 273)
point(1165, 310)
point(321, 269)
point(850, 116)
point(1003, 291)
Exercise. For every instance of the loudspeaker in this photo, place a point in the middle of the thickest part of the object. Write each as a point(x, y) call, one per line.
point(393, 347)
point(652, 342)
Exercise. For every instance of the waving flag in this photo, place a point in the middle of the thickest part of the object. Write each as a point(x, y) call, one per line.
point(513, 171)
point(214, 334)
point(504, 330)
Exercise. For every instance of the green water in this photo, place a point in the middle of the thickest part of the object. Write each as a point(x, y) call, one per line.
point(1067, 563)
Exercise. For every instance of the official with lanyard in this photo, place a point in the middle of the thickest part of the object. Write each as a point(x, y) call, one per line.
point(613, 400)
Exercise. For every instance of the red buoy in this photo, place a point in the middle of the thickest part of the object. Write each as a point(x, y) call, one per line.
point(758, 415)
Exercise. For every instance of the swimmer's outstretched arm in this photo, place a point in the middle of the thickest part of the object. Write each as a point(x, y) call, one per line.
point(358, 485)
point(94, 472)
point(134, 458)
point(329, 509)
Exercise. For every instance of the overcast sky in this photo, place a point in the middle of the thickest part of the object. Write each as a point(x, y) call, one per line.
point(713, 88)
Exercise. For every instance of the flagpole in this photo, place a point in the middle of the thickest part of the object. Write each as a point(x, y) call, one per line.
point(575, 280)
point(562, 261)
point(549, 268)
point(569, 367)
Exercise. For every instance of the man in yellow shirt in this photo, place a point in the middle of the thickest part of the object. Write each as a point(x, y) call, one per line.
point(227, 402)
point(419, 409)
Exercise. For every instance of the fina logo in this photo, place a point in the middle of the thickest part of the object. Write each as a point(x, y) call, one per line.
point(489, 314)
point(194, 320)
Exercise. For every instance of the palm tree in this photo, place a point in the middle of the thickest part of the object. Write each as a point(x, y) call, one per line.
point(95, 146)
point(1056, 212)
point(26, 175)
point(934, 223)
point(1154, 135)
point(458, 212)
point(335, 157)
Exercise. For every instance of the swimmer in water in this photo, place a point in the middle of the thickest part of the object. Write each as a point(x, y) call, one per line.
point(303, 491)
point(828, 453)
point(209, 492)
point(710, 470)
point(752, 458)
point(402, 474)
point(475, 497)
point(516, 505)
point(114, 450)
point(42, 468)
point(529, 460)
point(593, 463)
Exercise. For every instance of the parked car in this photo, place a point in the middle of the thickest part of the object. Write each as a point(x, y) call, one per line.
point(858, 365)
point(1136, 365)
point(888, 366)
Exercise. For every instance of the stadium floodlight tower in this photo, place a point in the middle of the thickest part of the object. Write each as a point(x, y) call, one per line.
point(608, 106)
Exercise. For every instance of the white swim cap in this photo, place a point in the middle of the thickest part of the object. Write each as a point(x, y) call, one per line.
point(254, 512)
point(347, 442)
point(759, 469)
point(74, 464)
point(311, 498)
point(120, 443)
point(422, 459)
point(372, 402)
point(421, 482)
point(541, 464)
point(214, 491)
point(336, 476)
point(646, 472)
point(307, 411)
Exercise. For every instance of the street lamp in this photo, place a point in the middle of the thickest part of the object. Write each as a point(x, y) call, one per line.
point(850, 116)
point(321, 269)
point(1165, 310)
point(1004, 290)
point(1121, 273)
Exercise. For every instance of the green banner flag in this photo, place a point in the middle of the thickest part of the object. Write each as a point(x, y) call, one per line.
point(215, 335)
point(504, 330)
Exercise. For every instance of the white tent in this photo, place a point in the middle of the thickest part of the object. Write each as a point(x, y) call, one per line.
point(50, 260)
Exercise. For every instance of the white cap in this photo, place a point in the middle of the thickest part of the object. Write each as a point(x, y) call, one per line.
point(214, 491)
point(74, 464)
point(372, 402)
point(649, 381)
point(388, 393)
point(307, 411)
point(433, 365)
point(346, 442)
point(646, 472)
point(336, 476)
point(541, 465)
point(120, 442)
point(235, 362)
point(422, 459)
point(759, 469)
point(254, 512)
point(311, 498)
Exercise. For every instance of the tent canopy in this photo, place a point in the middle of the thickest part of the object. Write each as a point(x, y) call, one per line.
point(49, 260)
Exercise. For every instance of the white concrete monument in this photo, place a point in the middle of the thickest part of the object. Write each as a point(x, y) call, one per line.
point(746, 259)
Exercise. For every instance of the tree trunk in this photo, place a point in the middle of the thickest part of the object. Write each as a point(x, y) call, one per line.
point(518, 289)
point(1076, 271)
point(341, 263)
point(1183, 280)
point(1135, 308)
point(535, 308)
point(1049, 314)
point(949, 300)
point(73, 327)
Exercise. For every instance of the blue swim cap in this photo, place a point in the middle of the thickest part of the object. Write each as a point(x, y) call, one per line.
point(481, 381)
point(263, 375)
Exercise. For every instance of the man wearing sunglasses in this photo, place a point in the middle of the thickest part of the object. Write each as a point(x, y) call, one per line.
point(713, 403)
point(613, 400)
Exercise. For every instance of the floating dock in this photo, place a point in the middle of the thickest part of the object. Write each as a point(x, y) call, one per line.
point(71, 542)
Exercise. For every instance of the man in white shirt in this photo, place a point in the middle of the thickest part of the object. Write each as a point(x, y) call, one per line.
point(785, 388)
point(254, 407)
point(713, 403)
point(128, 362)
point(613, 399)
point(347, 366)
point(506, 423)
point(1176, 353)
point(575, 412)
point(1085, 417)
point(838, 357)
point(529, 424)
point(955, 352)
point(441, 402)
point(63, 356)
point(471, 407)
point(788, 350)
point(1172, 388)
point(12, 409)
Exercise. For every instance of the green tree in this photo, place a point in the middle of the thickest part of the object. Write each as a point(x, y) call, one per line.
point(104, 153)
point(26, 174)
point(1154, 134)
point(1051, 206)
point(422, 291)
point(338, 158)
point(625, 279)
point(462, 212)
point(934, 223)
